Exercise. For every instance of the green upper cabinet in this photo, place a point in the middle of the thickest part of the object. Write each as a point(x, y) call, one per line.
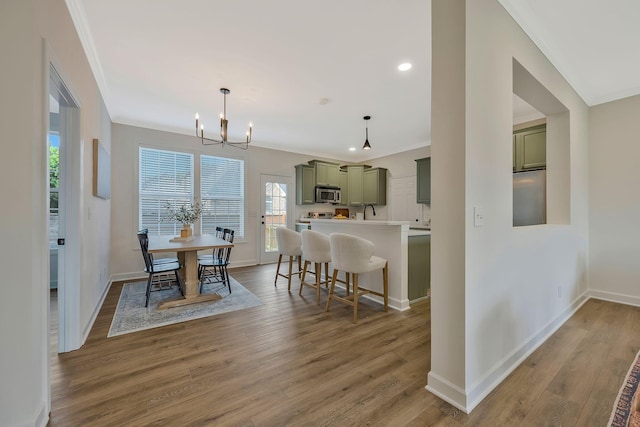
point(344, 187)
point(354, 185)
point(530, 148)
point(326, 173)
point(305, 184)
point(423, 184)
point(375, 186)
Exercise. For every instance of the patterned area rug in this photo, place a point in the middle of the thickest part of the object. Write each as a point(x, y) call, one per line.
point(131, 314)
point(626, 410)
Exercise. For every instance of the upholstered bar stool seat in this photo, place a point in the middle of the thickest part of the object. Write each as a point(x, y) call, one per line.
point(289, 244)
point(353, 254)
point(316, 249)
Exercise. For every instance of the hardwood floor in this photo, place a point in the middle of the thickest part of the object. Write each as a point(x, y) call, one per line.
point(287, 362)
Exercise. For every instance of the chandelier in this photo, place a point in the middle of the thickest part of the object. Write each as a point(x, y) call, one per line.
point(223, 129)
point(366, 145)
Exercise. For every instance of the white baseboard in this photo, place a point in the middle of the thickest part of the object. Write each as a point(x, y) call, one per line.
point(467, 400)
point(447, 391)
point(614, 297)
point(94, 315)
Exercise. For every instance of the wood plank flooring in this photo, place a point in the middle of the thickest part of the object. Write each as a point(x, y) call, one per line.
point(287, 362)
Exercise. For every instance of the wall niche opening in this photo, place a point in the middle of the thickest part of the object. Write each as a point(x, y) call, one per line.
point(540, 147)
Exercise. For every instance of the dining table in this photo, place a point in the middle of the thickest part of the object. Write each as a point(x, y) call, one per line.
point(187, 250)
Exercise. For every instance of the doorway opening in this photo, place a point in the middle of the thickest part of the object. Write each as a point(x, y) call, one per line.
point(276, 212)
point(63, 129)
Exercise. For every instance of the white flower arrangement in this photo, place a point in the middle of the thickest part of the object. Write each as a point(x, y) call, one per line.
point(187, 213)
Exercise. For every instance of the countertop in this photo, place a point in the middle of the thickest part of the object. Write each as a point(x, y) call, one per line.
point(413, 233)
point(360, 222)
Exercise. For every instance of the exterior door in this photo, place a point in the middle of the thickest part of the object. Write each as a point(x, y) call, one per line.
point(276, 211)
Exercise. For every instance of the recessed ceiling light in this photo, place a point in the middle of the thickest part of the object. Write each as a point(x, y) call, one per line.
point(352, 148)
point(404, 67)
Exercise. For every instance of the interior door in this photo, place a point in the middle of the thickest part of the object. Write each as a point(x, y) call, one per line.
point(276, 211)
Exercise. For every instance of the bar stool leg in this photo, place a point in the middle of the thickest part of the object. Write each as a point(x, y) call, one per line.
point(355, 297)
point(326, 275)
point(304, 275)
point(333, 285)
point(275, 282)
point(290, 269)
point(318, 273)
point(385, 281)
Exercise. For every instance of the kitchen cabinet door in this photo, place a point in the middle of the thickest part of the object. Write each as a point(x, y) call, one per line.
point(354, 184)
point(375, 186)
point(530, 148)
point(305, 184)
point(326, 173)
point(423, 180)
point(344, 187)
point(419, 274)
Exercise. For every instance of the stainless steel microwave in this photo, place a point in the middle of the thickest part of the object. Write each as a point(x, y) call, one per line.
point(328, 195)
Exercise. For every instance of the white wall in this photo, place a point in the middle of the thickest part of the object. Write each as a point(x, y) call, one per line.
point(519, 284)
point(614, 201)
point(32, 33)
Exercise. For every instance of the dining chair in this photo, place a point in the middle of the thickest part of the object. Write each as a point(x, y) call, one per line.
point(159, 273)
point(289, 244)
point(218, 264)
point(354, 254)
point(215, 252)
point(145, 232)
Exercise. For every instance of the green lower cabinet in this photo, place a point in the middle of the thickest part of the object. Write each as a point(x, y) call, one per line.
point(419, 279)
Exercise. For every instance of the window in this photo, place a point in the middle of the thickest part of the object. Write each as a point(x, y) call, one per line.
point(168, 176)
point(165, 176)
point(222, 194)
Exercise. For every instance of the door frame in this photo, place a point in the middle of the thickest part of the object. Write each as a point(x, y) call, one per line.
point(262, 256)
point(69, 334)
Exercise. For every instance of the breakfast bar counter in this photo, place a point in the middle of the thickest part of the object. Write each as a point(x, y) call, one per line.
point(391, 240)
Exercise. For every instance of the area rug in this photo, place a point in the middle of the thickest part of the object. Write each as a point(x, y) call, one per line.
point(131, 314)
point(626, 410)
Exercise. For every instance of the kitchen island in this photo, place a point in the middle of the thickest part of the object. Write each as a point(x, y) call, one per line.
point(391, 240)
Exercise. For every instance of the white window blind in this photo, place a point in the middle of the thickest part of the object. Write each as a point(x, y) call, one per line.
point(165, 176)
point(222, 194)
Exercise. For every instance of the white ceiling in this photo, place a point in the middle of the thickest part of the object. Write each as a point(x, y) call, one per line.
point(305, 73)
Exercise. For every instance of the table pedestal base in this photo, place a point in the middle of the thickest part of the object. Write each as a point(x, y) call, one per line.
point(186, 301)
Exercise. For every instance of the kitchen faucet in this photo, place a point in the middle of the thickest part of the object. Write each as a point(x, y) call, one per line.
point(364, 213)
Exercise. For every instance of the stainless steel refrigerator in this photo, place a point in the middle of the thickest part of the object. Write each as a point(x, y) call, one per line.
point(529, 198)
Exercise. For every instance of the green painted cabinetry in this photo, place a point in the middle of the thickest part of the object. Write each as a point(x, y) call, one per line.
point(305, 185)
point(419, 275)
point(326, 173)
point(344, 187)
point(423, 184)
point(374, 185)
point(530, 149)
point(354, 185)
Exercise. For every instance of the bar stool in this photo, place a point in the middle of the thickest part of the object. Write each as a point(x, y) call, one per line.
point(289, 244)
point(316, 249)
point(354, 255)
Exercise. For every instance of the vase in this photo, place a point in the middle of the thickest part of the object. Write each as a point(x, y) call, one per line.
point(186, 230)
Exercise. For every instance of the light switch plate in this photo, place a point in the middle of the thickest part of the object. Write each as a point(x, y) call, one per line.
point(478, 216)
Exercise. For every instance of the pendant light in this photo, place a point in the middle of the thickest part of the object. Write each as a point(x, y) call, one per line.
point(366, 145)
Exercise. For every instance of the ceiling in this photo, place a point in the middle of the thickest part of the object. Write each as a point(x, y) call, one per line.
point(305, 73)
